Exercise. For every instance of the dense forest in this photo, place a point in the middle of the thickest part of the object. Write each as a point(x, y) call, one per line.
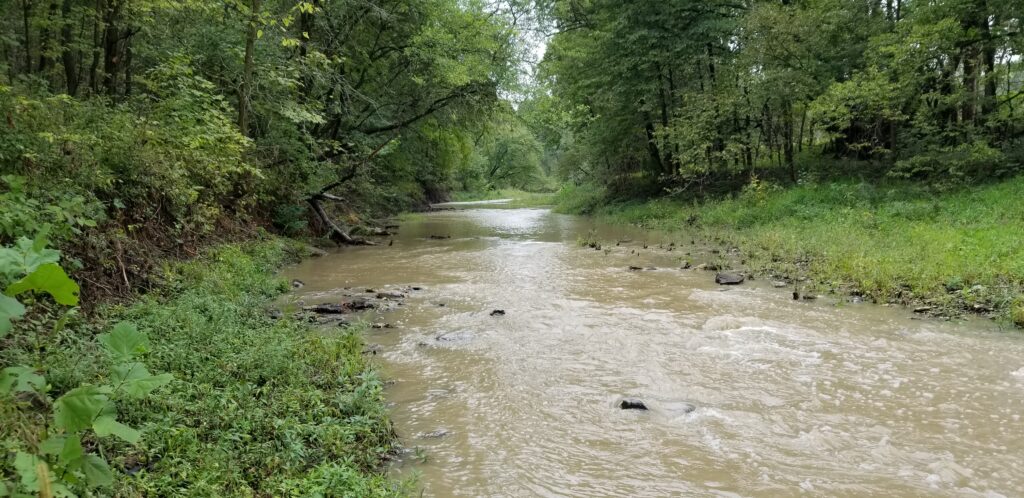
point(164, 122)
point(692, 92)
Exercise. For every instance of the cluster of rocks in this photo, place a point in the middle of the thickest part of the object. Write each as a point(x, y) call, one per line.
point(335, 312)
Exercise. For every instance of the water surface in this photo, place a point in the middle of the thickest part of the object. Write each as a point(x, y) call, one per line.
point(794, 398)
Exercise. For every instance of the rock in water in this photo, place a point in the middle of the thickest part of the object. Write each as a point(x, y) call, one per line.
point(339, 308)
point(297, 284)
point(498, 313)
point(632, 404)
point(327, 308)
point(729, 279)
point(440, 433)
point(390, 295)
point(635, 268)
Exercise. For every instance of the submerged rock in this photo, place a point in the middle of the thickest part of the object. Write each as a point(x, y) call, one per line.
point(498, 313)
point(340, 308)
point(440, 433)
point(635, 268)
point(390, 295)
point(439, 237)
point(298, 284)
point(632, 404)
point(729, 279)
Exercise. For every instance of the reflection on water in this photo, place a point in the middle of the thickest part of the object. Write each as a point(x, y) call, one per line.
point(793, 398)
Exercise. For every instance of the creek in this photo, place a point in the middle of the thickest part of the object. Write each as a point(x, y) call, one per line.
point(792, 398)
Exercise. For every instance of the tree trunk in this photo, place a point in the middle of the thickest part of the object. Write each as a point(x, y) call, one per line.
point(46, 59)
point(652, 145)
point(245, 89)
point(94, 78)
point(69, 57)
point(988, 61)
point(128, 65)
point(665, 149)
point(337, 234)
point(112, 57)
point(26, 7)
point(787, 137)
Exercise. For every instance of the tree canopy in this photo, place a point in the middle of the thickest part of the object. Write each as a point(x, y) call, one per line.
point(690, 91)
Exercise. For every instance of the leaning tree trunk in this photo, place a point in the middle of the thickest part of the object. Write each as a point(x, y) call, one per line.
point(339, 235)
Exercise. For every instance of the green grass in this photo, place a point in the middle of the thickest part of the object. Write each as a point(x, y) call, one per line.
point(520, 198)
point(892, 243)
point(258, 407)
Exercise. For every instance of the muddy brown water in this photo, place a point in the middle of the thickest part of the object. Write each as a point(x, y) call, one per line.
point(793, 398)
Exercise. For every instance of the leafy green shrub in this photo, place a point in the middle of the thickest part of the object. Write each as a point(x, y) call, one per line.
point(25, 209)
point(57, 458)
point(959, 164)
point(579, 199)
point(172, 156)
point(1017, 312)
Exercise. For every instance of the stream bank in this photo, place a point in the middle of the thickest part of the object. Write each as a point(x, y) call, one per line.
point(946, 253)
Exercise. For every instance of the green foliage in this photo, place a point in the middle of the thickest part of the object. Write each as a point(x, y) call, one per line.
point(697, 94)
point(299, 411)
point(30, 267)
point(1017, 312)
point(286, 402)
point(579, 199)
point(58, 465)
point(25, 207)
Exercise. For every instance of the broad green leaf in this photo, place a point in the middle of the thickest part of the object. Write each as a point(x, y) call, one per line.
point(53, 445)
point(107, 426)
point(135, 380)
point(27, 467)
point(49, 278)
point(97, 472)
point(77, 409)
point(72, 451)
point(25, 257)
point(21, 379)
point(9, 308)
point(124, 342)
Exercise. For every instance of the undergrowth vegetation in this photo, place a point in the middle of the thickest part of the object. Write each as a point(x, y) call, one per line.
point(256, 406)
point(891, 242)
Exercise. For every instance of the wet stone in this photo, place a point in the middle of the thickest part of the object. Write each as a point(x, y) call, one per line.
point(298, 284)
point(729, 279)
point(498, 313)
point(632, 404)
point(438, 434)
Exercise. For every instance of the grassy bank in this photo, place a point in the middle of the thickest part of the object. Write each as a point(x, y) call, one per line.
point(257, 407)
point(954, 250)
point(520, 198)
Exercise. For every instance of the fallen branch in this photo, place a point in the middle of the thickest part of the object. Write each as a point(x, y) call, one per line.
point(337, 234)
